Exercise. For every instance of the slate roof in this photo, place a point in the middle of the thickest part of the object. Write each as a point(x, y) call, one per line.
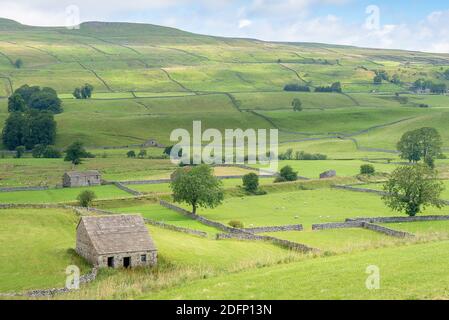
point(118, 234)
point(83, 174)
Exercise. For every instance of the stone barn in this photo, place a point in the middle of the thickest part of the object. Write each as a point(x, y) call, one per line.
point(81, 179)
point(328, 174)
point(115, 241)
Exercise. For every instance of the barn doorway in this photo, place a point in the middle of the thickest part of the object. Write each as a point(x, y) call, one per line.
point(110, 262)
point(126, 262)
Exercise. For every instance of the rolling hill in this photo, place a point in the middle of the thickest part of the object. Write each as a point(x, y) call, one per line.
point(150, 80)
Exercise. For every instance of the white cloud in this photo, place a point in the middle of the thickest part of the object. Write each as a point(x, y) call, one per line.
point(244, 23)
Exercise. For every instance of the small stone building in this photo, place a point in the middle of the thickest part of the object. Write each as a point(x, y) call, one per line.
point(153, 143)
point(328, 174)
point(81, 179)
point(115, 241)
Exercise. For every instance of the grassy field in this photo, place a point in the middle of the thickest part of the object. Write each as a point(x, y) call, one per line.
point(345, 168)
point(339, 277)
point(36, 248)
point(302, 207)
point(60, 195)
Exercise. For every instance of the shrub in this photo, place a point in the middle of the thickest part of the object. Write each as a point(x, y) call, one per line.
point(288, 174)
point(251, 182)
point(131, 154)
point(236, 224)
point(367, 169)
point(86, 198)
point(142, 154)
point(50, 152)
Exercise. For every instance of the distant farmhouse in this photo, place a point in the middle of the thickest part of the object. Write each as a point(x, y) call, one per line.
point(153, 143)
point(81, 179)
point(115, 241)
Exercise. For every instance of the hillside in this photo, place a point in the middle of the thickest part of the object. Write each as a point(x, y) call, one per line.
point(149, 80)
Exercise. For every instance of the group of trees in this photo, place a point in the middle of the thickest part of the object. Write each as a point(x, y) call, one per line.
point(84, 92)
point(31, 120)
point(335, 87)
point(296, 87)
point(289, 154)
point(421, 144)
point(423, 85)
point(382, 75)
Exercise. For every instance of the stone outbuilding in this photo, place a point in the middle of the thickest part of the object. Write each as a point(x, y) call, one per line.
point(75, 179)
point(115, 241)
point(328, 174)
point(153, 143)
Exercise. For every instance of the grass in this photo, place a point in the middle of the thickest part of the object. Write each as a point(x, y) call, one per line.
point(37, 246)
point(302, 207)
point(339, 240)
point(338, 277)
point(60, 195)
point(156, 212)
point(345, 168)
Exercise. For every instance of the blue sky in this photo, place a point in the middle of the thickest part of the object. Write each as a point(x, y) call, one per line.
point(413, 25)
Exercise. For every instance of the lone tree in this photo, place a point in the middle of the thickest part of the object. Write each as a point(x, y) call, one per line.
point(131, 154)
point(86, 198)
point(75, 152)
point(251, 182)
point(196, 186)
point(411, 189)
point(367, 169)
point(421, 144)
point(297, 104)
point(18, 63)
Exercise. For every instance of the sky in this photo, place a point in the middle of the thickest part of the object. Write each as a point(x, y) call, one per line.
point(421, 25)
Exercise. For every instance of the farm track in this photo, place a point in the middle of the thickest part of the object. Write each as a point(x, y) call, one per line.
point(97, 76)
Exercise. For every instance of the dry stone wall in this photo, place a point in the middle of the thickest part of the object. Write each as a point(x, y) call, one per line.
point(398, 219)
point(280, 242)
point(126, 189)
point(201, 219)
point(295, 227)
point(387, 231)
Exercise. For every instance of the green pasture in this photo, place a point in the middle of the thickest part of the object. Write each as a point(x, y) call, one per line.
point(60, 195)
point(337, 277)
point(36, 248)
point(305, 207)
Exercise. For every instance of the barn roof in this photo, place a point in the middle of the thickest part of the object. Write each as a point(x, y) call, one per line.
point(118, 234)
point(83, 174)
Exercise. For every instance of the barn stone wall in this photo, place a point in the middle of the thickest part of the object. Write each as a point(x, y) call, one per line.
point(102, 260)
point(84, 245)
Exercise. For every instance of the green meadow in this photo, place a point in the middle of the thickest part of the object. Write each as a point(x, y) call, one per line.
point(149, 80)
